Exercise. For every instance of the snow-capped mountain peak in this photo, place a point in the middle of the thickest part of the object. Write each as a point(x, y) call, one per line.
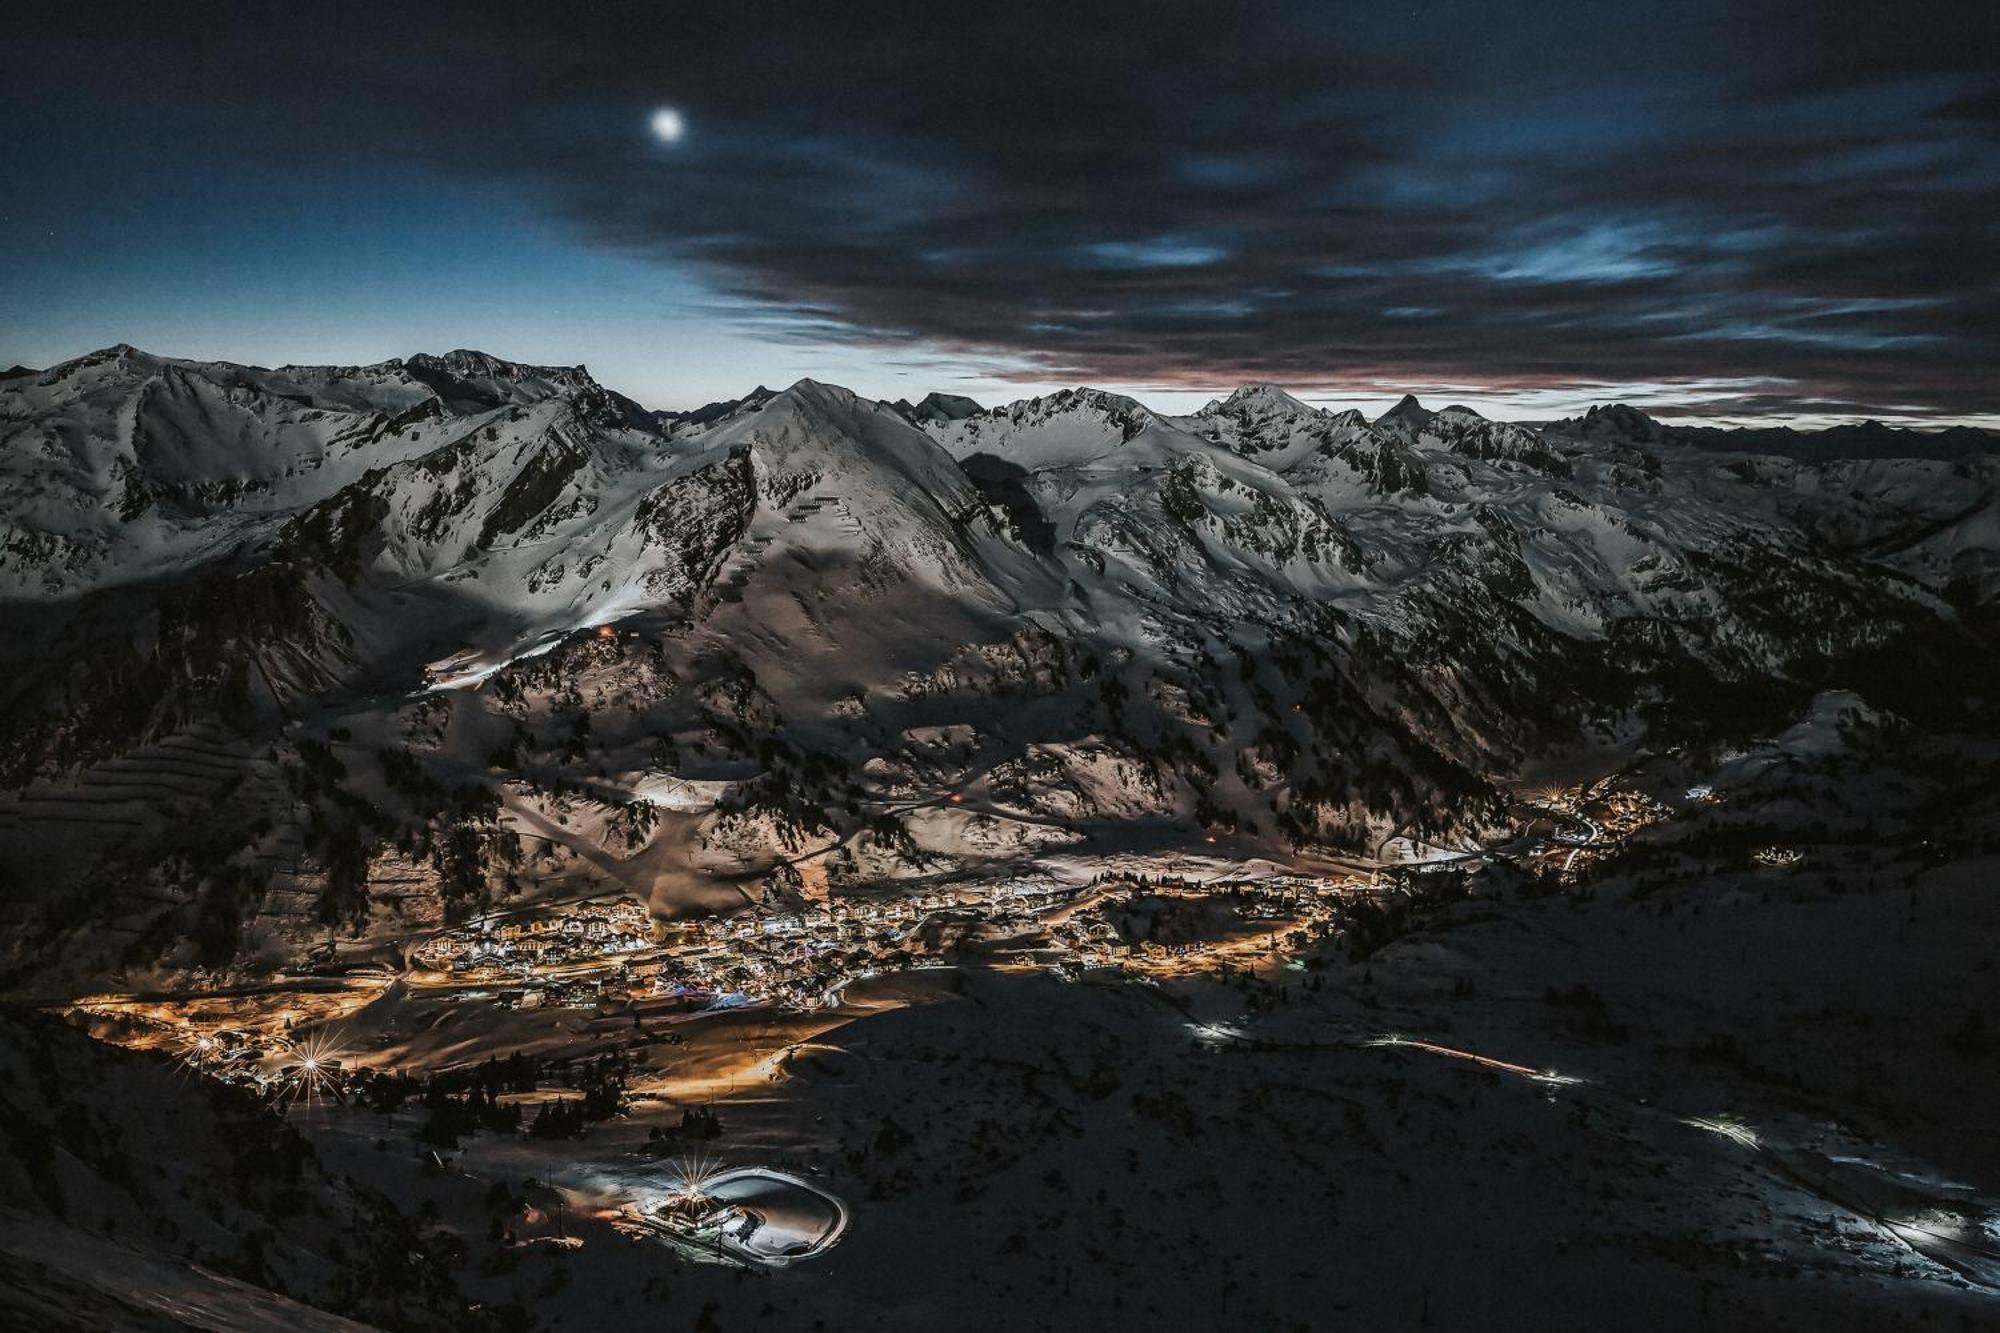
point(1264, 422)
point(937, 408)
point(1611, 423)
point(1260, 400)
point(1406, 420)
point(1263, 579)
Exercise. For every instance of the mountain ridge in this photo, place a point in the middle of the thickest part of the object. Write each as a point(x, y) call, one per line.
point(1264, 621)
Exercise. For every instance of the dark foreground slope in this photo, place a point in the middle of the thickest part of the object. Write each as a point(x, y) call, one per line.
point(138, 1196)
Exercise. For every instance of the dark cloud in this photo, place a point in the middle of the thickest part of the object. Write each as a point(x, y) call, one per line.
point(1799, 198)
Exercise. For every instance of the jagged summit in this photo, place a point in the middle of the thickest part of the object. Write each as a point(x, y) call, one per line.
point(818, 403)
point(1079, 399)
point(1407, 408)
point(472, 362)
point(807, 387)
point(466, 379)
point(813, 432)
point(708, 413)
point(1405, 421)
point(937, 407)
point(117, 354)
point(1611, 423)
point(1070, 426)
point(1262, 398)
point(1265, 422)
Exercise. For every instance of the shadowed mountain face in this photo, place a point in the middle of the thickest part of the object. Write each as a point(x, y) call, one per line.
point(140, 1198)
point(289, 649)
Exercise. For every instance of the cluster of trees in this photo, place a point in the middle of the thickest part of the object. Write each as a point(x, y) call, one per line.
point(698, 1123)
point(602, 1082)
point(1369, 924)
point(561, 1119)
point(453, 1117)
point(460, 1101)
point(798, 788)
point(468, 1100)
point(888, 831)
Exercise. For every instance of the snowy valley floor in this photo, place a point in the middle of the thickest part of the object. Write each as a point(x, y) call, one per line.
point(1698, 1088)
point(1767, 1112)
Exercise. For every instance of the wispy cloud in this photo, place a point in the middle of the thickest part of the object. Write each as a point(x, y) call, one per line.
point(1531, 200)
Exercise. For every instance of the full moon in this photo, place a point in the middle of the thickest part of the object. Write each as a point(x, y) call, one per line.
point(668, 126)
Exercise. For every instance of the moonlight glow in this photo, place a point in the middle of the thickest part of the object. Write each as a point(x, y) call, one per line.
point(668, 125)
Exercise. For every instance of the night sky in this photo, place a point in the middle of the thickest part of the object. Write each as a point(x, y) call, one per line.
point(1741, 210)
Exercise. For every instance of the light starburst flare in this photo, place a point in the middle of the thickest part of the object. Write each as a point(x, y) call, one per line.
point(687, 1180)
point(314, 1068)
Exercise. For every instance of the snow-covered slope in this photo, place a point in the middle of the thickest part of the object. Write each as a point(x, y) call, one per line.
point(1263, 620)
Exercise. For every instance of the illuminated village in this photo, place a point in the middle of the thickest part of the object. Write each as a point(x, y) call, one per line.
point(804, 956)
point(704, 1085)
point(1137, 920)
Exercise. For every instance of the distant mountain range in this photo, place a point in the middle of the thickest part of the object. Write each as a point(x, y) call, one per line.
point(1620, 424)
point(289, 650)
